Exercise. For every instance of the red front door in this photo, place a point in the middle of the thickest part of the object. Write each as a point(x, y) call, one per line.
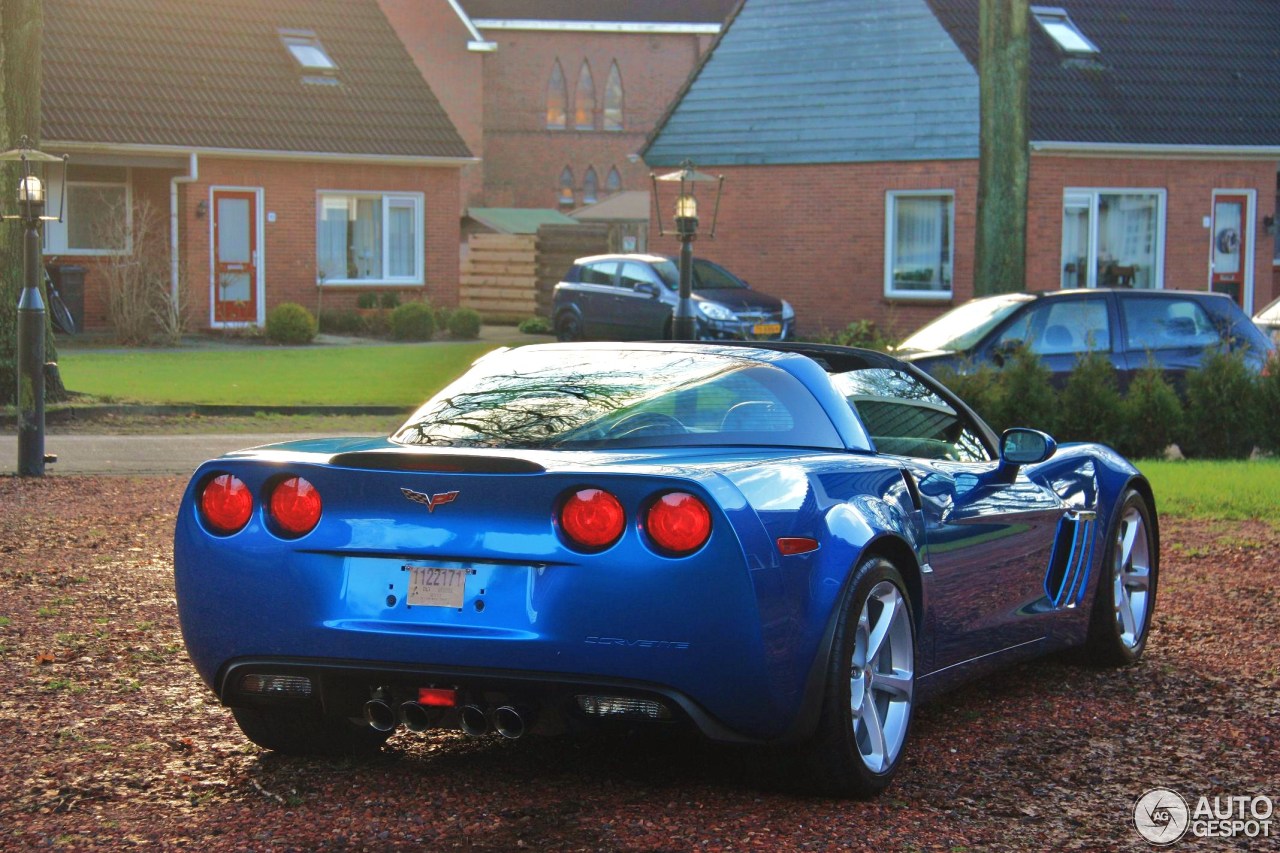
point(235, 256)
point(1227, 265)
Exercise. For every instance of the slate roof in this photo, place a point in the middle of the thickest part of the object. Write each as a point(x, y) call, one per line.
point(821, 81)
point(632, 11)
point(214, 74)
point(825, 81)
point(1169, 72)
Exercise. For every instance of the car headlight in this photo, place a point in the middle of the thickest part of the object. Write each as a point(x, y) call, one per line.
point(788, 313)
point(715, 311)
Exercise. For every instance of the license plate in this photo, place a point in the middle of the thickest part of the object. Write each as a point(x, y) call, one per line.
point(766, 329)
point(434, 587)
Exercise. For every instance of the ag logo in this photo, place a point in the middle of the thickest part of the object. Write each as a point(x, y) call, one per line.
point(429, 501)
point(1161, 816)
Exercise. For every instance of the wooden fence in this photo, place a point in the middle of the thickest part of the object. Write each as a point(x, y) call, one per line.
point(498, 275)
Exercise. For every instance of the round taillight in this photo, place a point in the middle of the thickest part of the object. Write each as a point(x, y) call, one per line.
point(592, 519)
point(678, 522)
point(295, 506)
point(226, 503)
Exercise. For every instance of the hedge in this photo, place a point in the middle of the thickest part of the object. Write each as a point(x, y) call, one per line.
point(1225, 411)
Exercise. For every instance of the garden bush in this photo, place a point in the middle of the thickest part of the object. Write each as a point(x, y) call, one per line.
point(367, 300)
point(981, 387)
point(340, 322)
point(389, 300)
point(535, 326)
point(1089, 406)
point(413, 321)
point(1269, 406)
point(1223, 410)
point(1027, 396)
point(1150, 415)
point(290, 323)
point(464, 324)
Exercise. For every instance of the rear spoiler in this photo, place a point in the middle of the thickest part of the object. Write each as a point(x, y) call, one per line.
point(409, 459)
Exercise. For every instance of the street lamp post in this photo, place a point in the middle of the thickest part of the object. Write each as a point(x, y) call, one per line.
point(31, 310)
point(683, 325)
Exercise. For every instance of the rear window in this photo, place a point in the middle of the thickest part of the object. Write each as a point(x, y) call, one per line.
point(582, 398)
point(1152, 324)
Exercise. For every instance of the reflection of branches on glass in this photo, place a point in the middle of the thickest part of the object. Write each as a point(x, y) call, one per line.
point(549, 399)
point(883, 382)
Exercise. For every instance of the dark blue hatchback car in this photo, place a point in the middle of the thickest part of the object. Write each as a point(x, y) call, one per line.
point(1175, 328)
point(633, 297)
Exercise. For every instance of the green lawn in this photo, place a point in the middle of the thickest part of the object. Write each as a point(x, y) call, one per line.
point(392, 375)
point(1216, 490)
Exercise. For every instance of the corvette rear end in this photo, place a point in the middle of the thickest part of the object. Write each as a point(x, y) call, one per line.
point(573, 590)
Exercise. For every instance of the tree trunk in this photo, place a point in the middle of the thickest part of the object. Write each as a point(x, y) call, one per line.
point(21, 33)
point(1000, 250)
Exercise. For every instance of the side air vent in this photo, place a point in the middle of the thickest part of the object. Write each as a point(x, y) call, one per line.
point(450, 463)
point(1072, 559)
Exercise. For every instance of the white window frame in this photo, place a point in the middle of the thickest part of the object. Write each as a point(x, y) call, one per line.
point(55, 232)
point(1057, 25)
point(388, 200)
point(307, 50)
point(890, 244)
point(1094, 193)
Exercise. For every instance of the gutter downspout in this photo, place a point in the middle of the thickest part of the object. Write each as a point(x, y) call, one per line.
point(193, 173)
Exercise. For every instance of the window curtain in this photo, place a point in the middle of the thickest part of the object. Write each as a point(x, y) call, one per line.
point(400, 246)
point(920, 230)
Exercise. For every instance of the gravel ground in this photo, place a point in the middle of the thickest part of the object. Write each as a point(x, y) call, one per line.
point(113, 742)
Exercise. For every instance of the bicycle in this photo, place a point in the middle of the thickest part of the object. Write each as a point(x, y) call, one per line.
point(59, 313)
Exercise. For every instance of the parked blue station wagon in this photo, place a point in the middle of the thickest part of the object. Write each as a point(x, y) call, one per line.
point(1173, 328)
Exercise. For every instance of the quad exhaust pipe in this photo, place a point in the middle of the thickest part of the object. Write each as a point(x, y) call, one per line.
point(509, 721)
point(379, 715)
point(418, 718)
point(473, 720)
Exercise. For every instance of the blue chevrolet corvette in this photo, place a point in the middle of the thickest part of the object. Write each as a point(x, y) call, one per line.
point(770, 543)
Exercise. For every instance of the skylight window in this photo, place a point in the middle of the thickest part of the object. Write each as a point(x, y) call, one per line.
point(307, 50)
point(1057, 24)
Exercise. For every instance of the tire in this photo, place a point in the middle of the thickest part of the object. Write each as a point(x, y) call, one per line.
point(1125, 598)
point(867, 706)
point(308, 733)
point(60, 314)
point(568, 327)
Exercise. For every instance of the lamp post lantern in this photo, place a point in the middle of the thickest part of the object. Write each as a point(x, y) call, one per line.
point(683, 325)
point(30, 211)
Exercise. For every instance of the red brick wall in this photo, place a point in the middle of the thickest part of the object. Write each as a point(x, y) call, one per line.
point(150, 192)
point(437, 40)
point(1189, 186)
point(523, 159)
point(815, 234)
point(289, 248)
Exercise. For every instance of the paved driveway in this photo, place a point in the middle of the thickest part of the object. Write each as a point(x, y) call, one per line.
point(136, 454)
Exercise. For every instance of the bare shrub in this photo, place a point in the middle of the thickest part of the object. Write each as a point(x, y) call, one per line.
point(141, 306)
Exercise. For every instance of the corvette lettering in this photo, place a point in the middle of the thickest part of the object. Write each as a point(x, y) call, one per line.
point(429, 501)
point(636, 644)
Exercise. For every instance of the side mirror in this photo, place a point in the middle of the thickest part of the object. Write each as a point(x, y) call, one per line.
point(648, 288)
point(1022, 446)
point(1019, 446)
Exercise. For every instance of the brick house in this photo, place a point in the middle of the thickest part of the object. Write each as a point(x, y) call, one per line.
point(852, 165)
point(555, 96)
point(287, 151)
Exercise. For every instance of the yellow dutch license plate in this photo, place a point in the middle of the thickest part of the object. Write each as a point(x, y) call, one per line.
point(434, 587)
point(766, 329)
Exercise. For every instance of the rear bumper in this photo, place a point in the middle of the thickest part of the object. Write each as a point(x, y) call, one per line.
point(341, 687)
